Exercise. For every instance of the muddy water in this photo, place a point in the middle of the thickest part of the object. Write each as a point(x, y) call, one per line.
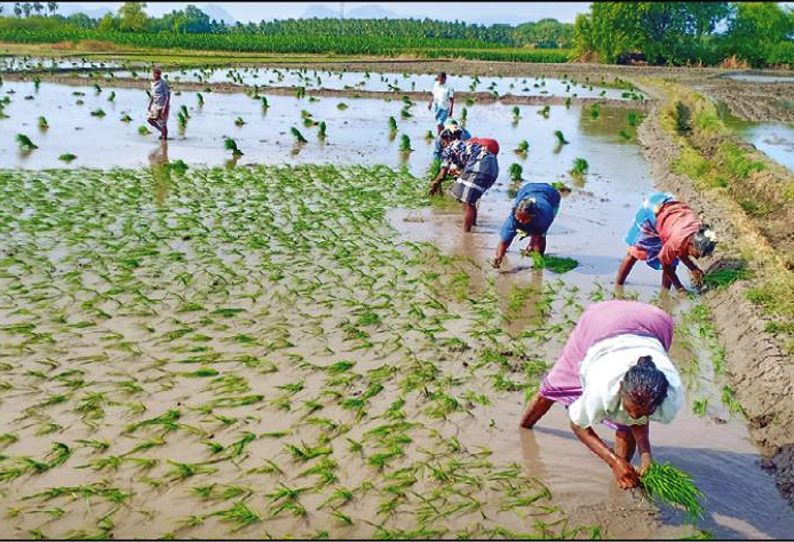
point(742, 501)
point(760, 78)
point(775, 139)
point(383, 82)
point(357, 135)
point(15, 63)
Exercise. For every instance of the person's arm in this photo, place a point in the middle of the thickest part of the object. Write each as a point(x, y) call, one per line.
point(641, 437)
point(451, 104)
point(625, 474)
point(435, 185)
point(697, 273)
point(506, 236)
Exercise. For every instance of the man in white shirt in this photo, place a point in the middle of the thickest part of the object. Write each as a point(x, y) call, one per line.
point(443, 101)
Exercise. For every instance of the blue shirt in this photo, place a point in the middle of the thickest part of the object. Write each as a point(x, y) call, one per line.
point(547, 199)
point(461, 153)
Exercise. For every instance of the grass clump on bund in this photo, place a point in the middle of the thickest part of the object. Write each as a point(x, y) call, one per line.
point(672, 486)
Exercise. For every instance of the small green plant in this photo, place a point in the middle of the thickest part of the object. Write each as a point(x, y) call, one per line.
point(633, 118)
point(321, 132)
point(429, 136)
point(683, 118)
point(405, 143)
point(239, 122)
point(200, 99)
point(568, 102)
point(560, 137)
point(67, 157)
point(392, 124)
point(298, 135)
point(699, 406)
point(545, 111)
point(97, 113)
point(672, 486)
point(25, 143)
point(595, 111)
point(624, 135)
point(300, 93)
point(341, 106)
point(112, 96)
point(231, 145)
point(552, 263)
point(516, 114)
point(43, 124)
point(516, 172)
point(143, 130)
point(405, 114)
point(580, 168)
point(265, 103)
point(126, 118)
point(523, 148)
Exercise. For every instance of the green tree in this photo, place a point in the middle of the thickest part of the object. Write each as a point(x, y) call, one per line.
point(755, 29)
point(27, 7)
point(132, 17)
point(52, 7)
point(38, 7)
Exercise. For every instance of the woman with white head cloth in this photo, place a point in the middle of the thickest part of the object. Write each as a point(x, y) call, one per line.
point(614, 370)
point(159, 103)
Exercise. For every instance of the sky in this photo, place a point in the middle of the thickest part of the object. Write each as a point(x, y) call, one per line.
point(506, 12)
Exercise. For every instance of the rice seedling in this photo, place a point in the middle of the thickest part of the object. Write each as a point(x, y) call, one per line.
point(126, 118)
point(143, 130)
point(98, 113)
point(545, 111)
point(43, 124)
point(25, 143)
point(298, 136)
point(560, 138)
point(516, 172)
point(239, 122)
point(429, 136)
point(699, 406)
point(265, 103)
point(231, 145)
point(67, 157)
point(112, 96)
point(300, 93)
point(523, 148)
point(322, 130)
point(580, 168)
point(595, 111)
point(97, 88)
point(36, 83)
point(341, 106)
point(200, 99)
point(516, 114)
point(405, 143)
point(632, 118)
point(729, 400)
point(670, 485)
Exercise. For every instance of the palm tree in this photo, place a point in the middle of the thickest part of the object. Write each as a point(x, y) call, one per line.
point(18, 9)
point(52, 7)
point(27, 7)
point(38, 7)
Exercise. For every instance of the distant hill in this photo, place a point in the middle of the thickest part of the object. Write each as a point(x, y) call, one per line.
point(218, 13)
point(362, 12)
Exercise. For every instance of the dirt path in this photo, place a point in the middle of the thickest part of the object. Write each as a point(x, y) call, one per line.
point(760, 368)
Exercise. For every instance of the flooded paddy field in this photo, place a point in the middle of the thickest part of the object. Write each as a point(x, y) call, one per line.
point(315, 349)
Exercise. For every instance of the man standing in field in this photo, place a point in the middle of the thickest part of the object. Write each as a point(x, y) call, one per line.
point(442, 102)
point(159, 103)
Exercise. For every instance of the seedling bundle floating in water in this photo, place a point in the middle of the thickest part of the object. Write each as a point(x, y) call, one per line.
point(672, 486)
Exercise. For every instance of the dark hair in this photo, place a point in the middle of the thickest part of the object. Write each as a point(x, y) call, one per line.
point(450, 134)
point(645, 384)
point(527, 206)
point(442, 75)
point(703, 241)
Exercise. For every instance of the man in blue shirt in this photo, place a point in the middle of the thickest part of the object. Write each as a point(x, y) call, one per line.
point(533, 211)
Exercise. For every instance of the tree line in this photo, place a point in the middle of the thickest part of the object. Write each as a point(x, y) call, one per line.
point(759, 34)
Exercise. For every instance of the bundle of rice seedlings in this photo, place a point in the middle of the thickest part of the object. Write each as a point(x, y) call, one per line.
point(265, 103)
point(522, 148)
point(97, 88)
point(516, 113)
point(515, 171)
point(126, 118)
point(672, 486)
point(545, 111)
point(112, 96)
point(67, 157)
point(239, 121)
point(143, 130)
point(632, 118)
point(405, 143)
point(25, 143)
point(231, 145)
point(595, 111)
point(200, 98)
point(321, 133)
point(43, 123)
point(560, 137)
point(624, 135)
point(392, 124)
point(97, 113)
point(580, 168)
point(429, 136)
point(300, 93)
point(405, 114)
point(341, 106)
point(298, 136)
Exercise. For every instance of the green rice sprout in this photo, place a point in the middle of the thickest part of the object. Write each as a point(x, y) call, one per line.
point(36, 83)
point(300, 92)
point(322, 130)
point(429, 136)
point(143, 130)
point(595, 111)
point(126, 118)
point(545, 112)
point(699, 406)
point(112, 96)
point(200, 99)
point(672, 486)
point(25, 143)
point(580, 168)
point(516, 114)
point(632, 118)
point(560, 137)
point(624, 135)
point(405, 114)
point(67, 157)
point(464, 114)
point(523, 147)
point(265, 103)
point(43, 124)
point(392, 124)
point(231, 145)
point(341, 106)
point(568, 102)
point(98, 113)
point(298, 136)
point(405, 143)
point(239, 122)
point(97, 88)
point(516, 172)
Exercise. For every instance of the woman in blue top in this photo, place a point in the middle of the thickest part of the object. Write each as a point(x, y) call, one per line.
point(533, 211)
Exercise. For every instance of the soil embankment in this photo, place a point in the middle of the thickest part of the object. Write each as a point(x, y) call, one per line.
point(760, 368)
